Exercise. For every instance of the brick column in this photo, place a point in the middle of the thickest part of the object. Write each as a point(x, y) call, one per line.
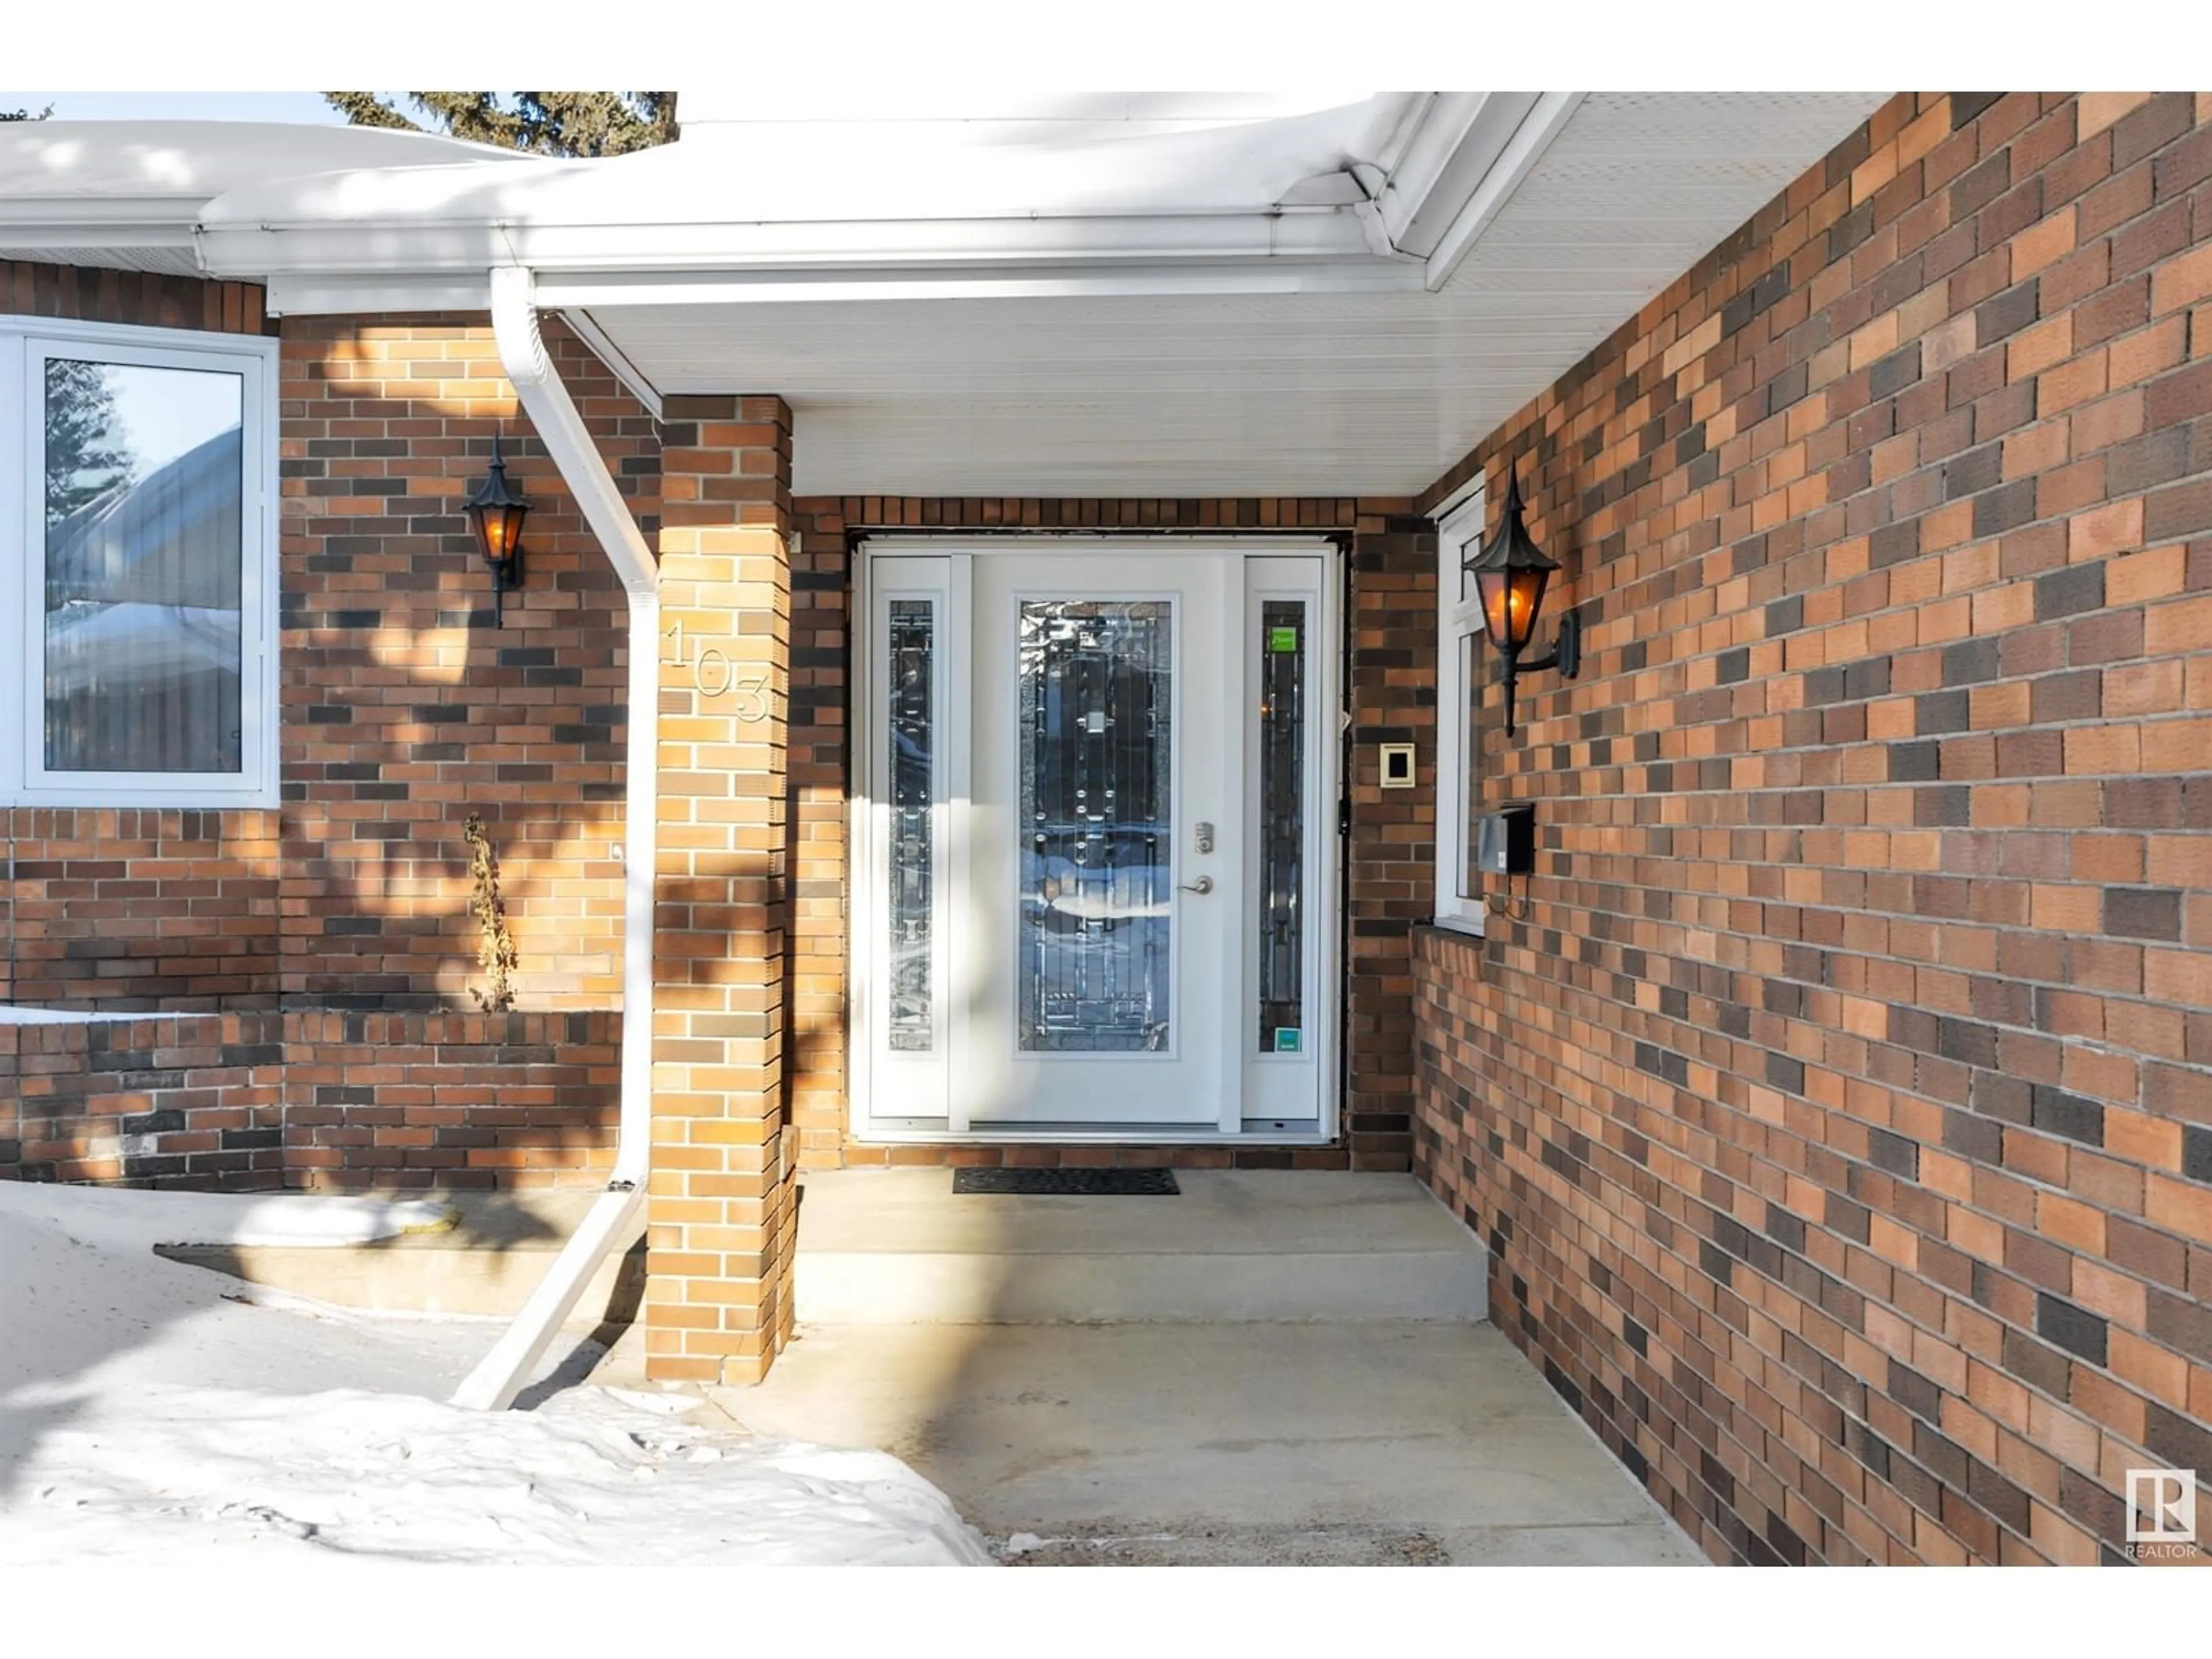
point(721, 1217)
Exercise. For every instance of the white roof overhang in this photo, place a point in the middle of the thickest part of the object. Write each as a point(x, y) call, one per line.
point(1154, 295)
point(129, 194)
point(777, 210)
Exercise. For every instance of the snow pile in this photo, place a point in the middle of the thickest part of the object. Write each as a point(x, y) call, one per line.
point(130, 1220)
point(151, 1413)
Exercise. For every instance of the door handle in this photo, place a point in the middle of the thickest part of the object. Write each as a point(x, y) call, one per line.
point(1202, 886)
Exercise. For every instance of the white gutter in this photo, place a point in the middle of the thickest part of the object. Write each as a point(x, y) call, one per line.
point(494, 1384)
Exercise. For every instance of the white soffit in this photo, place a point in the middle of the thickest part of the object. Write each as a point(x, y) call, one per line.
point(1286, 394)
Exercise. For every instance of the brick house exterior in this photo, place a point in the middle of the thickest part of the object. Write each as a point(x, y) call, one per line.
point(1836, 1109)
point(1838, 1115)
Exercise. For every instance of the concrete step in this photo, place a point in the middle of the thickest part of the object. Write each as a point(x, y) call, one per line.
point(895, 1246)
point(487, 1262)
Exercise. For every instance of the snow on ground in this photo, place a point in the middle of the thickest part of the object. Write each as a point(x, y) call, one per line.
point(153, 1413)
point(127, 1220)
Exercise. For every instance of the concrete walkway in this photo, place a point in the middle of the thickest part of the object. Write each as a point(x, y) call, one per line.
point(1416, 1442)
point(1252, 1392)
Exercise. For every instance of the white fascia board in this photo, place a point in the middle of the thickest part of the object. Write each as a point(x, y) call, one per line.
point(350, 248)
point(345, 296)
point(1543, 122)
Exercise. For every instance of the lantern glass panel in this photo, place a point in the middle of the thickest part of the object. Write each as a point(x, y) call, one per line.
point(498, 529)
point(1510, 600)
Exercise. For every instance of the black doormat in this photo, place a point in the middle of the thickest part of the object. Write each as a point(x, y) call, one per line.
point(1069, 1183)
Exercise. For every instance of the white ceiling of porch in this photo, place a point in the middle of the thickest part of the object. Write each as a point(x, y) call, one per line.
point(1306, 394)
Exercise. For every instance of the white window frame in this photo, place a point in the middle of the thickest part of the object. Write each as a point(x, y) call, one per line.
point(1459, 740)
point(27, 342)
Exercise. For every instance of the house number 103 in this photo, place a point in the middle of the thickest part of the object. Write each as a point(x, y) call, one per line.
point(714, 675)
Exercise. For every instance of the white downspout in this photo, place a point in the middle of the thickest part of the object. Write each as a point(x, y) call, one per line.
point(494, 1384)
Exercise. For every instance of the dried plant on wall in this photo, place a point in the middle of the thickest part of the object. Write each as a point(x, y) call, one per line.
point(495, 951)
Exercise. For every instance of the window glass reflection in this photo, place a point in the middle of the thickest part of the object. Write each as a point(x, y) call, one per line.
point(144, 561)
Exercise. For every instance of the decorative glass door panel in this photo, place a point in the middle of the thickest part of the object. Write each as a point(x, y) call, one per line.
point(901, 909)
point(1285, 1031)
point(910, 691)
point(1095, 712)
point(1282, 825)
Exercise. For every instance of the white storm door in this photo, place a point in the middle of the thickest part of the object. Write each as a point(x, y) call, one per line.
point(1105, 851)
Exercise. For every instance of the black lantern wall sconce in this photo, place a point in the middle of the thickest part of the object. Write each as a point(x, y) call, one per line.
point(496, 510)
point(1511, 573)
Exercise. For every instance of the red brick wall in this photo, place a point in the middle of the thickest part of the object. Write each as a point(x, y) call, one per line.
point(138, 909)
point(80, 293)
point(451, 1100)
point(405, 709)
point(1393, 564)
point(1391, 856)
point(1838, 1113)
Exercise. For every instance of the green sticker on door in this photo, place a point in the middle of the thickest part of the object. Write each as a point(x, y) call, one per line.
point(1282, 639)
point(1286, 1039)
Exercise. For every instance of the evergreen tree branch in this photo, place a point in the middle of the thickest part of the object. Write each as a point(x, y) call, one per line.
point(365, 109)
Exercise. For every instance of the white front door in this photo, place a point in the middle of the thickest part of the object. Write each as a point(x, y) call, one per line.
point(1090, 841)
point(1098, 798)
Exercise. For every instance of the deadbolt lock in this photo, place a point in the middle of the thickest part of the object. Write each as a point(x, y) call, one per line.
point(1206, 838)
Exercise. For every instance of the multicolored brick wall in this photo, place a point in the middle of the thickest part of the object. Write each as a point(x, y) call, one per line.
point(249, 1101)
point(1393, 692)
point(408, 703)
point(192, 1100)
point(722, 1206)
point(1838, 1108)
point(404, 710)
